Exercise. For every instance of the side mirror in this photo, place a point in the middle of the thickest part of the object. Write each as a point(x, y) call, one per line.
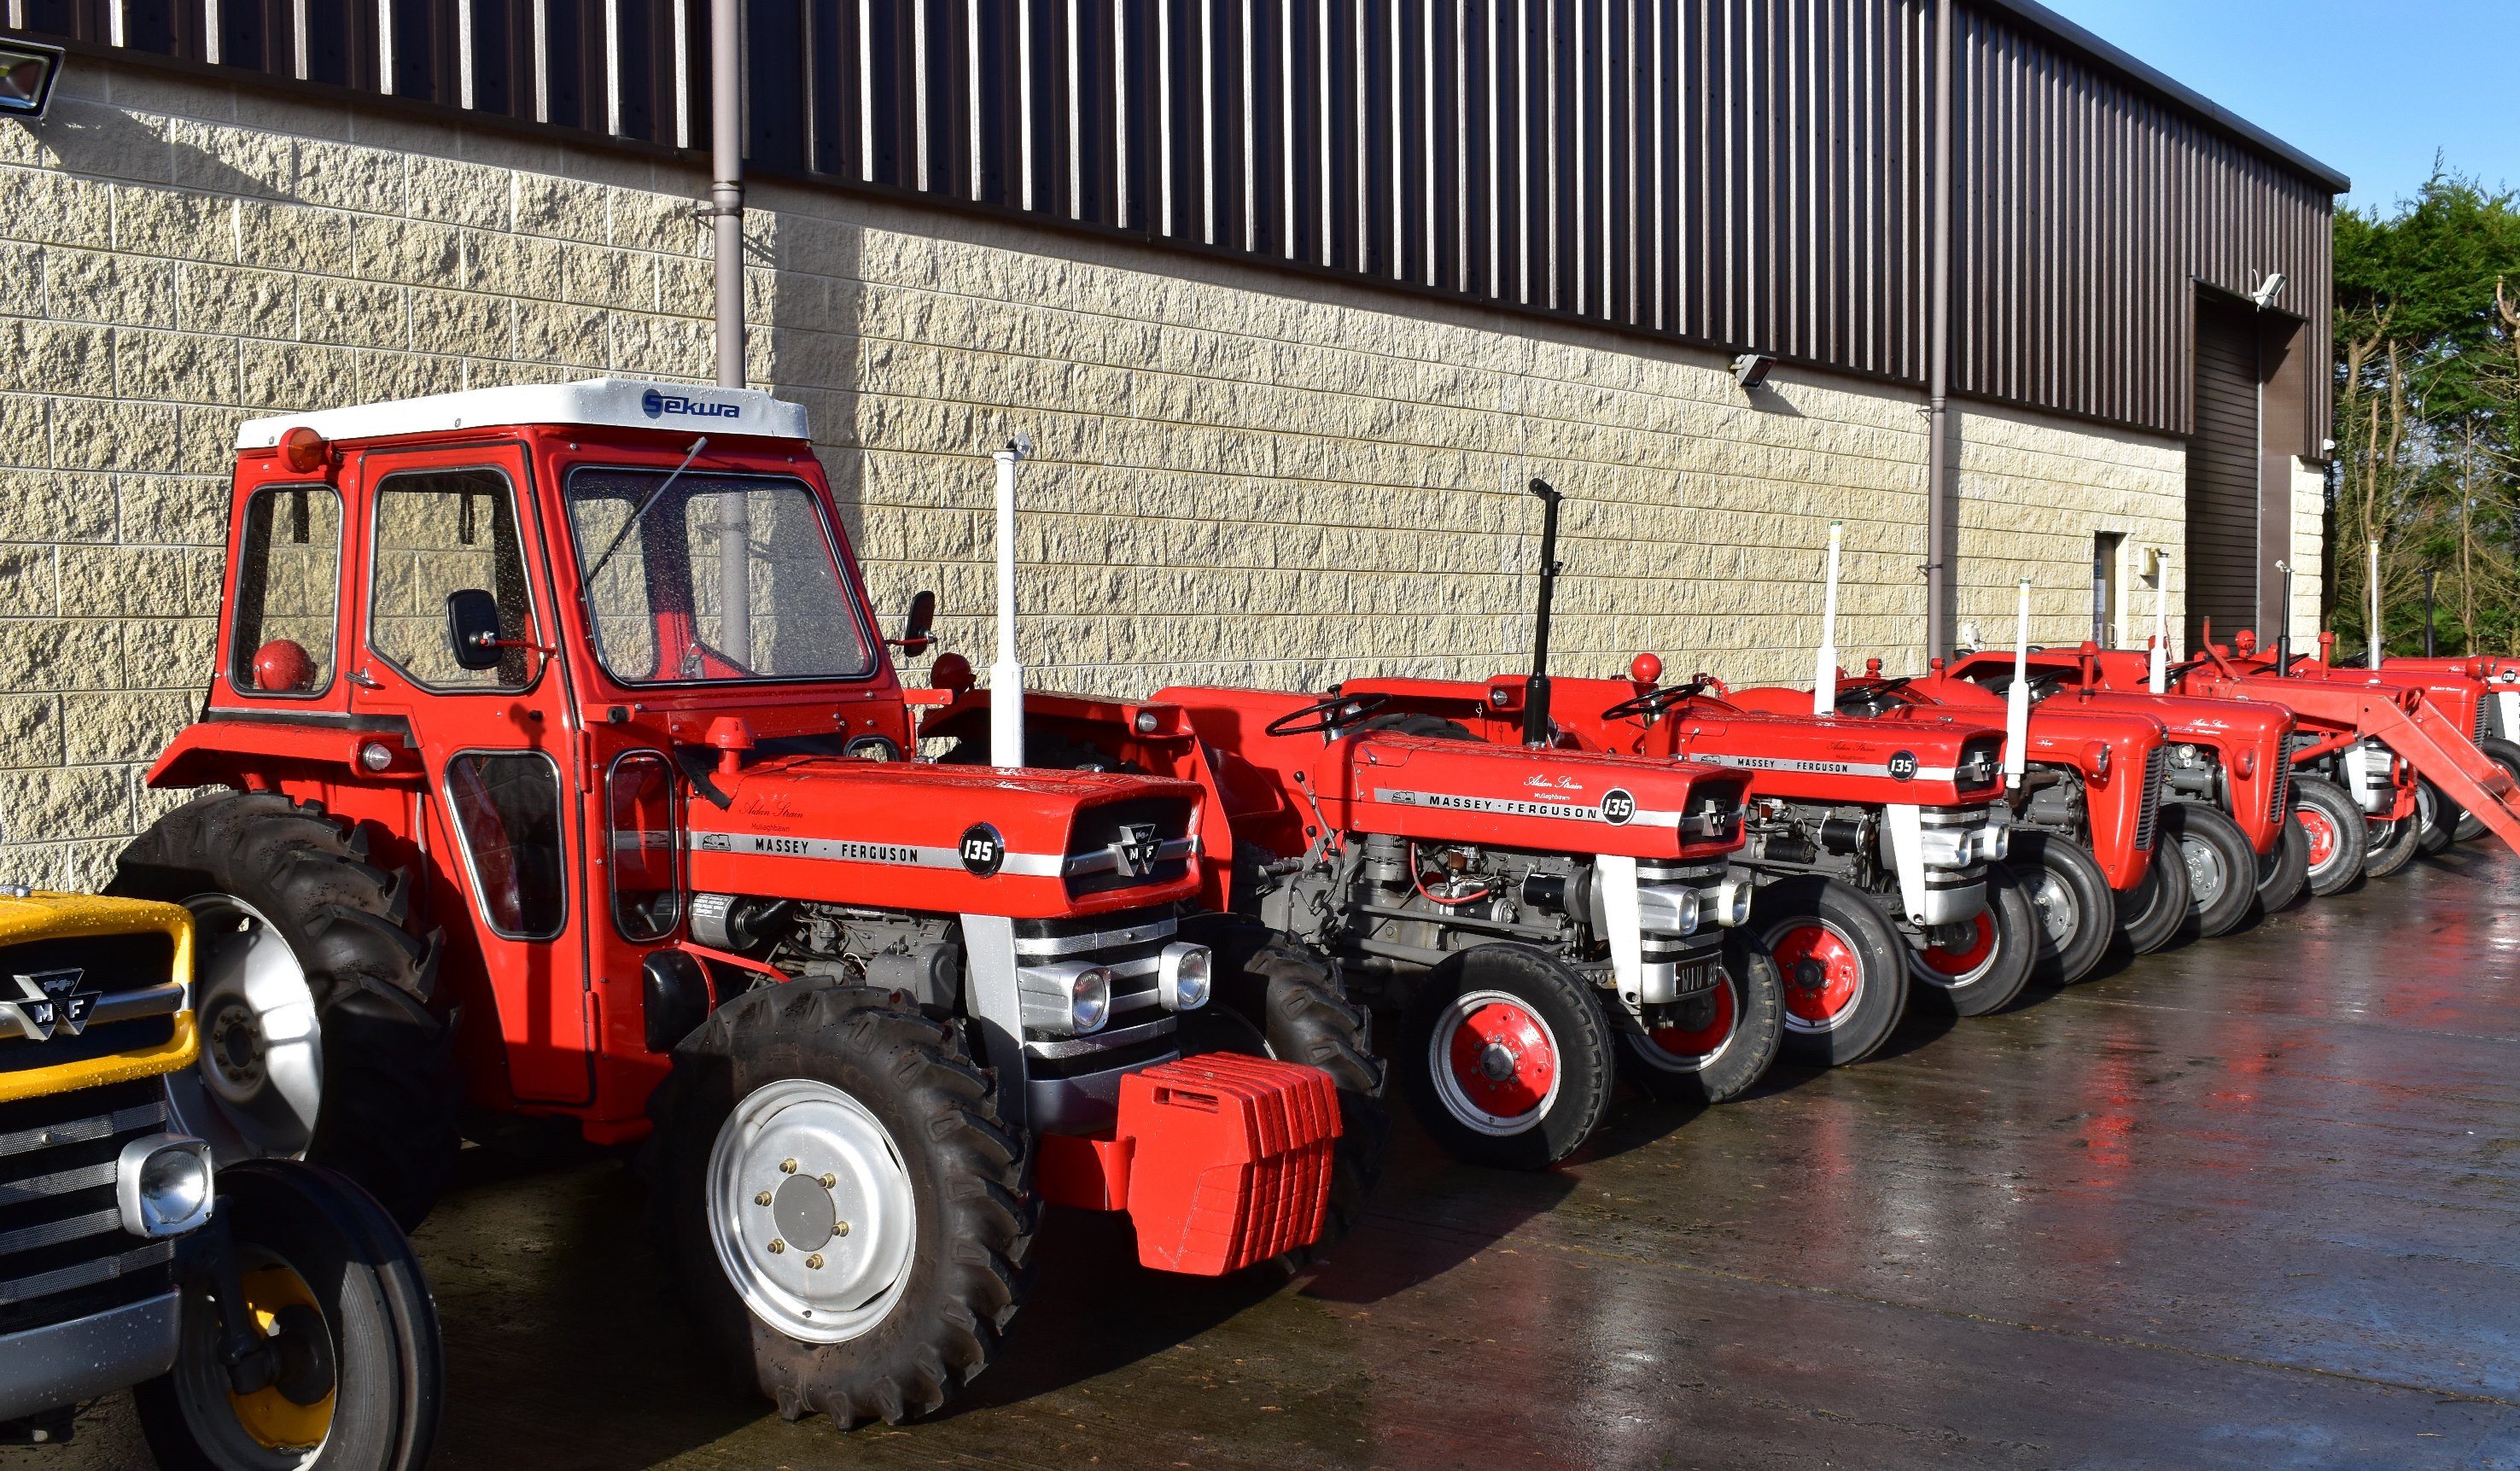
point(914, 629)
point(473, 627)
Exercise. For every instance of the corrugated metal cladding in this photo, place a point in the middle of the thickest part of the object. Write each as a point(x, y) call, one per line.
point(1747, 174)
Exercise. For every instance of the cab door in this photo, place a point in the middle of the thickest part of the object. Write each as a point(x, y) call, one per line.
point(502, 787)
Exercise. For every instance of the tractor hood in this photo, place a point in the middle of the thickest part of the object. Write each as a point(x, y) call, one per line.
point(1918, 755)
point(2076, 737)
point(1027, 844)
point(1564, 801)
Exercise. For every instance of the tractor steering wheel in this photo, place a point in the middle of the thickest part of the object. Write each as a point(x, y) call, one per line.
point(1654, 701)
point(1327, 714)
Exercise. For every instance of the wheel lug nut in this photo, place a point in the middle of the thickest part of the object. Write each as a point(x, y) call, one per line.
point(777, 1246)
point(761, 1199)
point(787, 1167)
point(841, 1228)
point(830, 1181)
point(815, 1260)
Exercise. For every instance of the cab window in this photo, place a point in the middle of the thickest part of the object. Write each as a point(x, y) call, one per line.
point(438, 532)
point(287, 591)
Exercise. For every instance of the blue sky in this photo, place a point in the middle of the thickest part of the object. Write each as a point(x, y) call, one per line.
point(2371, 87)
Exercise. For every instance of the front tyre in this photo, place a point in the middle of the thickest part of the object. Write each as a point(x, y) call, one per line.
point(1843, 966)
point(1719, 1044)
point(843, 1208)
point(2152, 912)
point(2501, 753)
point(2332, 825)
point(2069, 893)
point(1989, 971)
point(2389, 844)
point(1507, 1054)
point(2222, 867)
point(2283, 875)
point(357, 1374)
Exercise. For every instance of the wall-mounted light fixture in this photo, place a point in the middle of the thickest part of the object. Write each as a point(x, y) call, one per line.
point(1750, 369)
point(27, 71)
point(2264, 294)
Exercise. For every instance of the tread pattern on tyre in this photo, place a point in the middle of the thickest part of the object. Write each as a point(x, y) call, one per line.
point(2336, 804)
point(2035, 854)
point(389, 1117)
point(978, 1210)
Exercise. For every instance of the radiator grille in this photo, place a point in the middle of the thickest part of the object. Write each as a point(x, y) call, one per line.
point(62, 1251)
point(2279, 790)
point(2484, 718)
point(2148, 817)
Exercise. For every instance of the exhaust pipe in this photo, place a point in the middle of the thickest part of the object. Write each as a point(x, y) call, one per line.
point(1005, 675)
point(2371, 643)
point(1824, 670)
point(2159, 674)
point(1534, 689)
point(726, 211)
point(2016, 701)
point(2283, 629)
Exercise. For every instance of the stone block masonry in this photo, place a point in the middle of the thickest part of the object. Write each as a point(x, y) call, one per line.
point(1243, 475)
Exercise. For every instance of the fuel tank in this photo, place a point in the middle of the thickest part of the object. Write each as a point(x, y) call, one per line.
point(1027, 844)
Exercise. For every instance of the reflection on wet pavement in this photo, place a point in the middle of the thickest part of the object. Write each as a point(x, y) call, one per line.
point(2248, 1203)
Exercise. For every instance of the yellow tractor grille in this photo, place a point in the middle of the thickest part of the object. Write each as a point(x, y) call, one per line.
point(64, 1253)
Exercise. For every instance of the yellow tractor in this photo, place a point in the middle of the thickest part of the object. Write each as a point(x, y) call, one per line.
point(267, 1313)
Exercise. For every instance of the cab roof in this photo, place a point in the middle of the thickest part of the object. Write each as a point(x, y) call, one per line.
point(626, 403)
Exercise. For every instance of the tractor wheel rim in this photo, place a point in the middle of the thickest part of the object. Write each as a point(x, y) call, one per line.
point(1495, 1063)
point(2205, 875)
point(1946, 966)
point(262, 1042)
point(2315, 824)
point(1690, 1050)
point(1823, 976)
point(812, 1211)
point(2057, 915)
point(266, 1430)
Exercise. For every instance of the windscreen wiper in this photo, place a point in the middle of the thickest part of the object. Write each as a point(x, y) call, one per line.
point(644, 507)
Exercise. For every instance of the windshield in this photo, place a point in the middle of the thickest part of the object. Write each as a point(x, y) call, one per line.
point(663, 571)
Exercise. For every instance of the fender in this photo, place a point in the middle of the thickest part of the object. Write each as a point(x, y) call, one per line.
point(254, 752)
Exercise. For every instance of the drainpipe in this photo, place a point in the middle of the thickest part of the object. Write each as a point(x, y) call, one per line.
point(1939, 469)
point(726, 209)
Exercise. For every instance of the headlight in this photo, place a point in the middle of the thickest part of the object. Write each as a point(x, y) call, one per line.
point(1188, 973)
point(1088, 1000)
point(1994, 842)
point(163, 1183)
point(1727, 904)
point(1071, 999)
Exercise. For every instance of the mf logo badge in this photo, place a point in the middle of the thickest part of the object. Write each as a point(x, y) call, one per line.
point(1618, 806)
point(50, 1000)
point(1136, 848)
point(984, 851)
point(1902, 766)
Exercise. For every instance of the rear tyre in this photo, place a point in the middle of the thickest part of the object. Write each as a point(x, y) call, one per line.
point(1988, 972)
point(2391, 843)
point(2283, 875)
point(2222, 867)
point(1506, 1055)
point(318, 1037)
point(2330, 824)
point(880, 1273)
point(2501, 753)
point(1843, 965)
point(1277, 998)
point(2151, 913)
point(359, 1373)
point(2069, 893)
point(1722, 1042)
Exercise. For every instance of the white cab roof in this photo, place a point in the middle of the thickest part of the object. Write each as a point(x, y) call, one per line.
point(627, 403)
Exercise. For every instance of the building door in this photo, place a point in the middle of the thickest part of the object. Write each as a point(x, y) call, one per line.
point(2223, 474)
point(2104, 587)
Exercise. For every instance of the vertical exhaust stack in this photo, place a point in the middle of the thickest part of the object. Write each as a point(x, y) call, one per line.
point(2283, 626)
point(2371, 642)
point(1005, 675)
point(1824, 670)
point(726, 212)
point(2016, 701)
point(1534, 689)
point(2158, 677)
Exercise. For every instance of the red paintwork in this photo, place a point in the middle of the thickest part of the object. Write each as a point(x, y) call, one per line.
point(1822, 974)
point(1958, 963)
point(555, 1025)
point(1513, 1036)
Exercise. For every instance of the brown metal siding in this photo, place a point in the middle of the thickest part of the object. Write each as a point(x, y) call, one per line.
point(1745, 174)
point(2222, 560)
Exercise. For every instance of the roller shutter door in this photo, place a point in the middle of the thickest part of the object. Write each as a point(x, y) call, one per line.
point(2223, 475)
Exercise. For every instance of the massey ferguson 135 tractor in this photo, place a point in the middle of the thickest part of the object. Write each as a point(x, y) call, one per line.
point(1537, 916)
point(1873, 844)
point(561, 710)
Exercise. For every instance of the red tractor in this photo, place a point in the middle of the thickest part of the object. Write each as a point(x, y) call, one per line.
point(1537, 917)
point(557, 769)
point(1874, 847)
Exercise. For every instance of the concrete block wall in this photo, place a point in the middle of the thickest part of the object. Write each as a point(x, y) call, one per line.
point(1242, 476)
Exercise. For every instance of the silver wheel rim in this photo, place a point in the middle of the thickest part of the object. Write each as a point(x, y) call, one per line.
point(259, 1084)
point(1439, 1062)
point(2205, 876)
point(2054, 903)
point(811, 1211)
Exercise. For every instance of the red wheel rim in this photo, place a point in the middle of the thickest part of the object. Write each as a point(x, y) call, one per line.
point(1967, 960)
point(2323, 835)
point(1699, 1044)
point(1823, 974)
point(1502, 1060)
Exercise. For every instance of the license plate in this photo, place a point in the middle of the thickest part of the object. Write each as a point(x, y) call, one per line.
point(1694, 976)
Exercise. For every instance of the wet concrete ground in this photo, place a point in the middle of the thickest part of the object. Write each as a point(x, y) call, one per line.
point(2249, 1203)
